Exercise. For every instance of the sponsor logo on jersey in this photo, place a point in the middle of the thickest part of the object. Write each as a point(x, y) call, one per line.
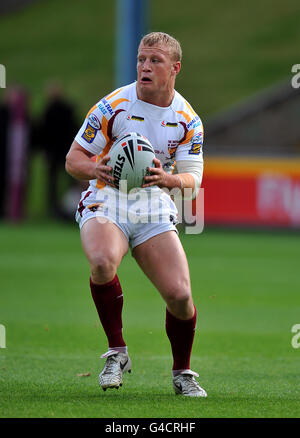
point(105, 107)
point(195, 149)
point(89, 133)
point(197, 142)
point(102, 108)
point(94, 121)
point(198, 138)
point(194, 123)
point(135, 118)
point(169, 124)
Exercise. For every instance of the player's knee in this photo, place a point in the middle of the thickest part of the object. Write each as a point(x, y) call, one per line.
point(179, 291)
point(180, 301)
point(105, 263)
point(182, 306)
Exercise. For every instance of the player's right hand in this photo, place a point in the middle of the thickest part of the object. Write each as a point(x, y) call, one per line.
point(103, 171)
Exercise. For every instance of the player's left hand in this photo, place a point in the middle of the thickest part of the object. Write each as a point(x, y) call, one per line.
point(157, 176)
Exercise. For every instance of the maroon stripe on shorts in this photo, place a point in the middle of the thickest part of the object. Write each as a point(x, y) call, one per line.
point(80, 205)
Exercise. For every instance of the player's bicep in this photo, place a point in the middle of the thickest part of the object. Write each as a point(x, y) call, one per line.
point(77, 148)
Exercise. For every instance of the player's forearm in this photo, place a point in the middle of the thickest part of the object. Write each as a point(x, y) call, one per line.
point(79, 166)
point(190, 173)
point(187, 181)
point(180, 181)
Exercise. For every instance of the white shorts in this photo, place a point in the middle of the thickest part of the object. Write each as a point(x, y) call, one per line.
point(140, 215)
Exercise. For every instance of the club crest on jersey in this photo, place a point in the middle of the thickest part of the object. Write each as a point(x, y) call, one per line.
point(169, 124)
point(94, 121)
point(89, 133)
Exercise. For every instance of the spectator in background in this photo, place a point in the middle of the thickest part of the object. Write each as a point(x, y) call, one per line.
point(56, 131)
point(15, 132)
point(3, 149)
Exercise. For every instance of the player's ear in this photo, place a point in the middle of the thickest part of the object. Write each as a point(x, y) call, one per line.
point(176, 67)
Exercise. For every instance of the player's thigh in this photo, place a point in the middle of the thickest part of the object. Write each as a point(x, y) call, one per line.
point(104, 244)
point(163, 260)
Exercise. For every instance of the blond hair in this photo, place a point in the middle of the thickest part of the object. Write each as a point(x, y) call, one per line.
point(161, 38)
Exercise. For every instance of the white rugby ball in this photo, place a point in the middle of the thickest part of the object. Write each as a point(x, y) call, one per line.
point(130, 156)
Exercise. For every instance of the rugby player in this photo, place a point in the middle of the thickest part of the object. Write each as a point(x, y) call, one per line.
point(152, 107)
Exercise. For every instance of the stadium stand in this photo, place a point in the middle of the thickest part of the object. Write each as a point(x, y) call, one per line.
point(267, 123)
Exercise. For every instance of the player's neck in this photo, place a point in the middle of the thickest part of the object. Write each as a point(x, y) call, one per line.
point(157, 99)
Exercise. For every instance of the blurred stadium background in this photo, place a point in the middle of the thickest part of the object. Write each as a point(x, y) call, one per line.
point(237, 74)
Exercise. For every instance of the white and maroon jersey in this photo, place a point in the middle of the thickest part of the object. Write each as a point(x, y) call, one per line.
point(175, 132)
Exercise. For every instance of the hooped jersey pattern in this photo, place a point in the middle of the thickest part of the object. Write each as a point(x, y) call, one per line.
point(175, 132)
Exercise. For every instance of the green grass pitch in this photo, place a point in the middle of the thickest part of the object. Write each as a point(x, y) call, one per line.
point(246, 288)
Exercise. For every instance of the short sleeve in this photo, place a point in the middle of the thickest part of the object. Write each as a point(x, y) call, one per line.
point(190, 148)
point(93, 134)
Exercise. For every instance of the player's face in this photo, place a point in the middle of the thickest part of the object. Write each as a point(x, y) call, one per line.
point(156, 71)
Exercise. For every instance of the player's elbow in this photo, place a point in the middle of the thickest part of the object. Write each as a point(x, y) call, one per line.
point(69, 164)
point(197, 185)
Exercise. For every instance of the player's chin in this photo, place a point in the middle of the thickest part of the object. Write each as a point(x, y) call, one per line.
point(146, 84)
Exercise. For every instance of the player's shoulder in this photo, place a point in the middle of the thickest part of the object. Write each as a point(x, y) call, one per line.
point(119, 98)
point(184, 111)
point(125, 92)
